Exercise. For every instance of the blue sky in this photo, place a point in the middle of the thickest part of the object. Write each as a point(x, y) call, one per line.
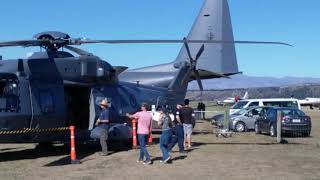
point(294, 21)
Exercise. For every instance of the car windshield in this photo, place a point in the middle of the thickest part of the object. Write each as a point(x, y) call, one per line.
point(287, 112)
point(242, 111)
point(239, 105)
point(292, 112)
point(300, 113)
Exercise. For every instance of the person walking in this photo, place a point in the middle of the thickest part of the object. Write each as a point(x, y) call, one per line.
point(103, 124)
point(199, 111)
point(166, 123)
point(178, 134)
point(186, 115)
point(144, 127)
point(203, 109)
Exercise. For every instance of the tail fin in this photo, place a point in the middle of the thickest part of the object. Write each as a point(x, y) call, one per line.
point(213, 23)
point(246, 95)
point(217, 60)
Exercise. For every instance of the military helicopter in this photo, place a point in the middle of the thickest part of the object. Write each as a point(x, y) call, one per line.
point(63, 84)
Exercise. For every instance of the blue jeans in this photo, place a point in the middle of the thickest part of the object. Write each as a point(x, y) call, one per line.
point(164, 143)
point(178, 137)
point(104, 126)
point(142, 138)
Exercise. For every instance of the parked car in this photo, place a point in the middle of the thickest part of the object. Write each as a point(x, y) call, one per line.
point(217, 119)
point(275, 102)
point(293, 121)
point(242, 120)
point(245, 119)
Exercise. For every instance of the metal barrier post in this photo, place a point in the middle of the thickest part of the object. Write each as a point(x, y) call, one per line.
point(226, 119)
point(279, 139)
point(134, 133)
point(73, 156)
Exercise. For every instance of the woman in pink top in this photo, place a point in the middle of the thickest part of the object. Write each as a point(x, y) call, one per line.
point(144, 126)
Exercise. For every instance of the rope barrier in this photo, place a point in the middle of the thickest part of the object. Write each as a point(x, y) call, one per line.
point(30, 131)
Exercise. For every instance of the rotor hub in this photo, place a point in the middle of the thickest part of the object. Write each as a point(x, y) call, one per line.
point(53, 40)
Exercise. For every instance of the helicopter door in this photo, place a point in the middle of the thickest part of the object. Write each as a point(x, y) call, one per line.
point(48, 105)
point(96, 97)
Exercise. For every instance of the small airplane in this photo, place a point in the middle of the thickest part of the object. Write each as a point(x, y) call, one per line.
point(311, 102)
point(62, 85)
point(232, 100)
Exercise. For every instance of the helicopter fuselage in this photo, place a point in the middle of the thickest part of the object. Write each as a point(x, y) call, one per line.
point(41, 95)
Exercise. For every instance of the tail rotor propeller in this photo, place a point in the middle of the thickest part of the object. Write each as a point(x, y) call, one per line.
point(193, 63)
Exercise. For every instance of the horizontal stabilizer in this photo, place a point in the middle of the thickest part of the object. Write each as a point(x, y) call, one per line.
point(119, 69)
point(204, 74)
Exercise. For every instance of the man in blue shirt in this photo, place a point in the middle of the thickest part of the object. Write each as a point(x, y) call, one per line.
point(103, 122)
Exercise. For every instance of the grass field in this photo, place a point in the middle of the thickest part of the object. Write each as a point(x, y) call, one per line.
point(243, 156)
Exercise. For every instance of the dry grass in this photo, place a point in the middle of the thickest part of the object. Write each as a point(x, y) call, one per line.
point(244, 156)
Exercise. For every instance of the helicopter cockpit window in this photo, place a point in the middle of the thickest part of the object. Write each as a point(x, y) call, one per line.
point(9, 94)
point(46, 101)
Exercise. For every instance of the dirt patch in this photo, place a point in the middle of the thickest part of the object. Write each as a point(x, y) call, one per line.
point(244, 156)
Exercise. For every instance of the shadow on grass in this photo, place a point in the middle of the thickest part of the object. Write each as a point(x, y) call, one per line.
point(179, 158)
point(82, 150)
point(33, 153)
point(171, 160)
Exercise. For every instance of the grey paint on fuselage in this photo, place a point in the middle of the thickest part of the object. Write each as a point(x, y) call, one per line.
point(54, 72)
point(212, 23)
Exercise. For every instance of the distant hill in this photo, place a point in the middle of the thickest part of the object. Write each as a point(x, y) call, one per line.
point(297, 91)
point(243, 81)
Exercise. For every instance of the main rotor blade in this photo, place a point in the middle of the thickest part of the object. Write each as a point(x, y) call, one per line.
point(78, 51)
point(200, 52)
point(176, 41)
point(64, 42)
point(197, 76)
point(188, 49)
point(23, 43)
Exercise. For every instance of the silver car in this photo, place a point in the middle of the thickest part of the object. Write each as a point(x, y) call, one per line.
point(245, 119)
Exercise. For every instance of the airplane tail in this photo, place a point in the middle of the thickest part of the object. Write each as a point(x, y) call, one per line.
point(211, 60)
point(215, 61)
point(246, 95)
point(213, 23)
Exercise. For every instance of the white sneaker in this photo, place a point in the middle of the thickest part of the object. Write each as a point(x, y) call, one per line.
point(166, 160)
point(147, 163)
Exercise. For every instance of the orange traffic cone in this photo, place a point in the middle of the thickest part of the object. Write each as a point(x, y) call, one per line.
point(134, 133)
point(73, 155)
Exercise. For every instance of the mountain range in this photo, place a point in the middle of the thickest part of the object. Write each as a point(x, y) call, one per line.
point(243, 81)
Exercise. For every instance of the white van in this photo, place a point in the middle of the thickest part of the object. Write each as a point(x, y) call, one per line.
point(277, 102)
